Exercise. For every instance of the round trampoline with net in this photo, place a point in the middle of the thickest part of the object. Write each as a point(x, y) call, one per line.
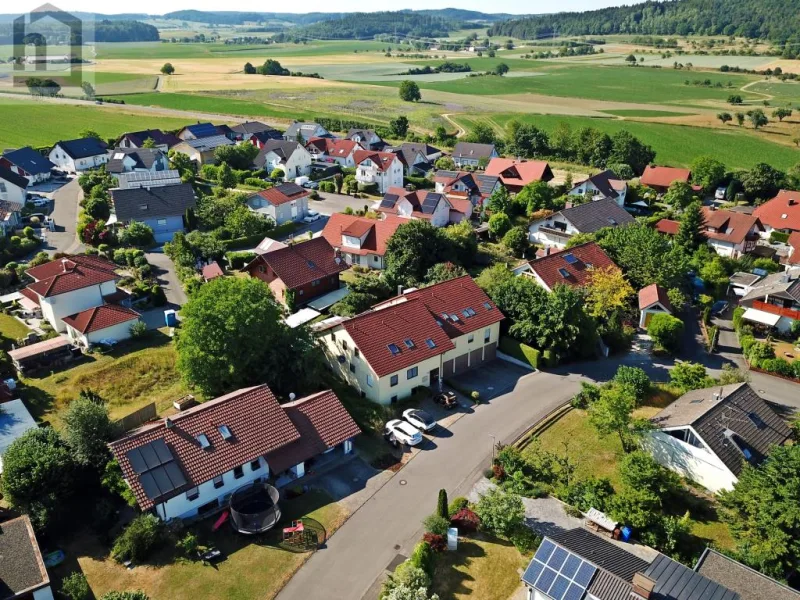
point(254, 508)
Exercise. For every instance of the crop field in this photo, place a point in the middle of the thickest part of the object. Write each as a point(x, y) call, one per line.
point(644, 113)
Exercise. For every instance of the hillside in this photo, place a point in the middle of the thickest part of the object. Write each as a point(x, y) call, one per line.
point(359, 26)
point(774, 20)
point(124, 31)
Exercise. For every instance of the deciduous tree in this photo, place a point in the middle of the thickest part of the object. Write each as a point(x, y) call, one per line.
point(409, 91)
point(608, 293)
point(87, 429)
point(708, 172)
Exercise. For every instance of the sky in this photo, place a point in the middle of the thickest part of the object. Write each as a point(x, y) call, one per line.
point(158, 7)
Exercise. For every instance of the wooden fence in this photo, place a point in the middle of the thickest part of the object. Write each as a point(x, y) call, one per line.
point(136, 418)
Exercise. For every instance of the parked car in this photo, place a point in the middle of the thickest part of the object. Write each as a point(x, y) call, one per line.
point(311, 216)
point(446, 399)
point(40, 202)
point(311, 185)
point(719, 194)
point(402, 432)
point(719, 307)
point(419, 419)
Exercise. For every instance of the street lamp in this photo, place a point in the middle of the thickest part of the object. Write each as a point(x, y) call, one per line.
point(494, 443)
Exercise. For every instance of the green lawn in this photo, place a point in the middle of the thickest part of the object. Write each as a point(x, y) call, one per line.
point(11, 329)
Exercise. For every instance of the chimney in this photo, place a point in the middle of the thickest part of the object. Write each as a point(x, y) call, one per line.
point(642, 587)
point(400, 290)
point(792, 201)
point(168, 423)
point(292, 396)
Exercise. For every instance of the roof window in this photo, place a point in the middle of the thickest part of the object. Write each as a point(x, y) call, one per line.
point(431, 344)
point(225, 432)
point(202, 439)
point(394, 349)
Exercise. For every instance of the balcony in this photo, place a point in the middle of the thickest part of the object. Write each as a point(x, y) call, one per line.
point(777, 310)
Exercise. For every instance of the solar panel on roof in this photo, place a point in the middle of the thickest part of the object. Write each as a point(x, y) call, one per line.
point(570, 566)
point(161, 450)
point(430, 203)
point(175, 474)
point(149, 486)
point(546, 579)
point(559, 573)
point(545, 550)
point(150, 457)
point(559, 587)
point(575, 592)
point(585, 573)
point(557, 559)
point(162, 481)
point(137, 462)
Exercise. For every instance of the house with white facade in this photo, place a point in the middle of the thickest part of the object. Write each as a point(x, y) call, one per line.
point(10, 216)
point(367, 138)
point(101, 324)
point(22, 570)
point(460, 185)
point(708, 435)
point(781, 213)
point(29, 163)
point(420, 204)
point(383, 169)
point(12, 186)
point(202, 150)
point(574, 267)
point(773, 300)
point(160, 207)
point(468, 154)
point(331, 150)
point(602, 185)
point(301, 132)
point(414, 340)
point(130, 160)
point(138, 139)
point(418, 158)
point(290, 157)
point(189, 464)
point(78, 155)
point(555, 230)
point(282, 203)
point(361, 241)
point(731, 233)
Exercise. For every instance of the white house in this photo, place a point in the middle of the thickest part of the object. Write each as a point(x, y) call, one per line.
point(29, 163)
point(468, 154)
point(399, 345)
point(101, 324)
point(602, 185)
point(331, 150)
point(12, 186)
point(731, 233)
point(130, 160)
point(302, 132)
point(653, 300)
point(708, 435)
point(367, 138)
point(202, 150)
point(381, 168)
point(773, 300)
point(22, 569)
point(282, 203)
point(555, 230)
point(419, 204)
point(15, 421)
point(78, 155)
point(781, 213)
point(290, 157)
point(360, 240)
point(206, 453)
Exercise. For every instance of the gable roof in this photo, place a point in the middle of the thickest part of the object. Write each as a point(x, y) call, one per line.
point(254, 418)
point(13, 178)
point(664, 176)
point(519, 173)
point(69, 277)
point(138, 138)
point(323, 423)
point(55, 267)
point(675, 581)
point(251, 127)
point(382, 160)
point(364, 134)
point(205, 144)
point(423, 202)
point(593, 216)
point(143, 157)
point(747, 582)
point(377, 232)
point(785, 284)
point(283, 149)
point(471, 150)
point(573, 267)
point(212, 271)
point(782, 212)
point(283, 193)
point(652, 294)
point(82, 147)
point(733, 424)
point(135, 204)
point(100, 317)
point(334, 147)
point(22, 569)
point(477, 183)
point(29, 160)
point(306, 128)
point(407, 152)
point(731, 226)
point(201, 130)
point(794, 243)
point(607, 182)
point(668, 226)
point(601, 552)
point(302, 263)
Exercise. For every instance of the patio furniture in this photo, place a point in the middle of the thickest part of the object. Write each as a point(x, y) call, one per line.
point(294, 532)
point(211, 555)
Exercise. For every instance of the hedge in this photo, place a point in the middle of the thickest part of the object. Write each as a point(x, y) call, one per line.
point(237, 260)
point(738, 312)
point(778, 237)
point(254, 240)
point(421, 183)
point(520, 351)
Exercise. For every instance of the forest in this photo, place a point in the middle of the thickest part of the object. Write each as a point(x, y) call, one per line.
point(124, 31)
point(359, 26)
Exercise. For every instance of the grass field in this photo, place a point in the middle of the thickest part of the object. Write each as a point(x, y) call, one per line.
point(11, 329)
point(644, 113)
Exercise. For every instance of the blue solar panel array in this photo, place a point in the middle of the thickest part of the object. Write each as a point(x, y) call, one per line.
point(559, 573)
point(430, 202)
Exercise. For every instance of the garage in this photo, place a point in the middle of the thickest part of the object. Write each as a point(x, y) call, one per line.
point(490, 352)
point(476, 358)
point(449, 366)
point(462, 363)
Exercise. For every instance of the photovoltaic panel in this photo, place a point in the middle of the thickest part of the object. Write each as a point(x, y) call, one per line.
point(137, 462)
point(571, 566)
point(175, 474)
point(559, 573)
point(389, 200)
point(546, 579)
point(162, 452)
point(575, 592)
point(150, 457)
point(149, 485)
point(162, 481)
point(545, 550)
point(559, 588)
point(585, 574)
point(557, 559)
point(532, 572)
point(158, 472)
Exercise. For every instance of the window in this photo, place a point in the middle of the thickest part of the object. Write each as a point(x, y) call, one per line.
point(393, 381)
point(487, 335)
point(352, 368)
point(218, 483)
point(393, 399)
point(344, 344)
point(487, 305)
point(161, 222)
point(412, 372)
point(376, 258)
point(238, 472)
point(333, 337)
point(225, 432)
point(409, 343)
point(255, 465)
point(357, 352)
point(143, 207)
point(262, 270)
point(394, 349)
point(431, 344)
point(315, 283)
point(192, 494)
point(300, 292)
point(370, 381)
point(202, 439)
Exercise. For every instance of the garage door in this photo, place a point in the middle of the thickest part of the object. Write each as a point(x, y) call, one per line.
point(448, 368)
point(163, 236)
point(490, 352)
point(476, 358)
point(462, 363)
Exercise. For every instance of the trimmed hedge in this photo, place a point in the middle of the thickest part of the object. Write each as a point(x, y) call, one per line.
point(253, 240)
point(237, 260)
point(778, 237)
point(550, 358)
point(421, 183)
point(520, 351)
point(738, 312)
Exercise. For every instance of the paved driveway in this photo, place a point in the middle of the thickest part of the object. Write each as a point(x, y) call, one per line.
point(492, 380)
point(65, 214)
point(164, 272)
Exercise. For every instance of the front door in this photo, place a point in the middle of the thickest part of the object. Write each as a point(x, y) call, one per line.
point(294, 211)
point(435, 377)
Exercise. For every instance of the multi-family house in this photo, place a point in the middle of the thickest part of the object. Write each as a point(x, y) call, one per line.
point(361, 241)
point(605, 184)
point(12, 186)
point(367, 138)
point(162, 208)
point(282, 203)
point(290, 157)
point(29, 163)
point(79, 155)
point(573, 267)
point(333, 150)
point(556, 229)
point(468, 154)
point(731, 233)
point(418, 158)
point(128, 160)
point(138, 139)
point(424, 204)
point(460, 185)
point(413, 340)
point(383, 169)
point(516, 174)
point(301, 132)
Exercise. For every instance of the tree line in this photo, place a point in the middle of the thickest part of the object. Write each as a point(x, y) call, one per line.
point(125, 31)
point(359, 26)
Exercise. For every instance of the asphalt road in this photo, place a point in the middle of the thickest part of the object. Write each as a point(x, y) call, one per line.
point(164, 272)
point(65, 214)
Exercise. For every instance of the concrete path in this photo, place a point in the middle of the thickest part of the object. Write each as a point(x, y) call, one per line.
point(164, 272)
point(65, 214)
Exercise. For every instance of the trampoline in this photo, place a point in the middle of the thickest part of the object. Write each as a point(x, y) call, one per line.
point(254, 508)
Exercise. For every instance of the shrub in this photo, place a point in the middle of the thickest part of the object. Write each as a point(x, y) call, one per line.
point(237, 260)
point(144, 534)
point(747, 342)
point(636, 379)
point(760, 351)
point(75, 587)
point(500, 512)
point(128, 595)
point(456, 505)
point(690, 376)
point(589, 493)
point(368, 188)
point(589, 394)
point(188, 545)
point(475, 396)
point(781, 366)
point(466, 520)
point(796, 369)
point(524, 539)
point(666, 331)
point(436, 524)
point(778, 237)
point(422, 557)
point(138, 329)
point(520, 351)
point(550, 358)
point(738, 312)
point(137, 234)
point(437, 543)
point(28, 232)
point(498, 472)
point(441, 505)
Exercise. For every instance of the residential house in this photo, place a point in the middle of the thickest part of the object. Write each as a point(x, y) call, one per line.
point(29, 163)
point(708, 435)
point(307, 269)
point(147, 179)
point(333, 150)
point(188, 465)
point(70, 285)
point(360, 240)
point(516, 174)
point(290, 157)
point(202, 130)
point(255, 132)
point(384, 169)
point(459, 185)
point(422, 204)
point(12, 186)
point(739, 578)
point(79, 155)
point(269, 245)
point(653, 300)
point(793, 257)
point(556, 229)
point(302, 132)
point(660, 178)
point(668, 227)
point(418, 159)
point(15, 421)
point(137, 139)
point(774, 300)
point(602, 185)
point(10, 218)
point(741, 283)
point(367, 138)
point(467, 154)
point(22, 569)
point(782, 213)
point(202, 150)
point(731, 233)
point(573, 267)
point(101, 324)
point(128, 160)
point(282, 203)
point(413, 340)
point(161, 208)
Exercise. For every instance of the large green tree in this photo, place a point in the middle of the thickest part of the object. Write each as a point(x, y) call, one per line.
point(233, 335)
point(413, 249)
point(708, 172)
point(679, 195)
point(644, 255)
point(87, 429)
point(690, 232)
point(239, 157)
point(612, 414)
point(762, 181)
point(409, 91)
point(627, 149)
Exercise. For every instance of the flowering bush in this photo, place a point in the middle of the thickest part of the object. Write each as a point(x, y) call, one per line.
point(466, 520)
point(437, 542)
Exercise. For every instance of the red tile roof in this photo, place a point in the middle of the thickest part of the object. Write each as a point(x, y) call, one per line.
point(652, 294)
point(281, 194)
point(416, 198)
point(31, 295)
point(333, 147)
point(664, 176)
point(782, 212)
point(55, 267)
point(409, 319)
point(559, 269)
point(794, 242)
point(519, 173)
point(212, 271)
point(377, 232)
point(100, 317)
point(730, 226)
point(302, 263)
point(69, 276)
point(323, 423)
point(257, 422)
point(383, 160)
point(668, 227)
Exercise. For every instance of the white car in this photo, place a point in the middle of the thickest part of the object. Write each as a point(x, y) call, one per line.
point(311, 216)
point(403, 432)
point(720, 193)
point(40, 201)
point(419, 419)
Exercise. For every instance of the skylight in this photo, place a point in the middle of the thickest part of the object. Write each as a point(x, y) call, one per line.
point(570, 259)
point(225, 432)
point(757, 421)
point(454, 317)
point(394, 349)
point(409, 343)
point(471, 312)
point(445, 316)
point(431, 344)
point(564, 273)
point(487, 305)
point(612, 221)
point(202, 439)
point(466, 314)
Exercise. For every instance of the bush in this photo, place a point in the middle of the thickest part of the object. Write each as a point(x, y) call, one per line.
point(524, 539)
point(144, 534)
point(796, 369)
point(781, 366)
point(422, 557)
point(747, 342)
point(666, 331)
point(738, 312)
point(500, 512)
point(636, 379)
point(368, 188)
point(437, 543)
point(257, 183)
point(456, 505)
point(520, 351)
point(138, 329)
point(589, 394)
point(75, 587)
point(137, 234)
point(436, 524)
point(759, 351)
point(420, 183)
point(188, 545)
point(778, 237)
point(465, 520)
point(550, 359)
point(589, 493)
point(690, 376)
point(237, 260)
point(128, 595)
